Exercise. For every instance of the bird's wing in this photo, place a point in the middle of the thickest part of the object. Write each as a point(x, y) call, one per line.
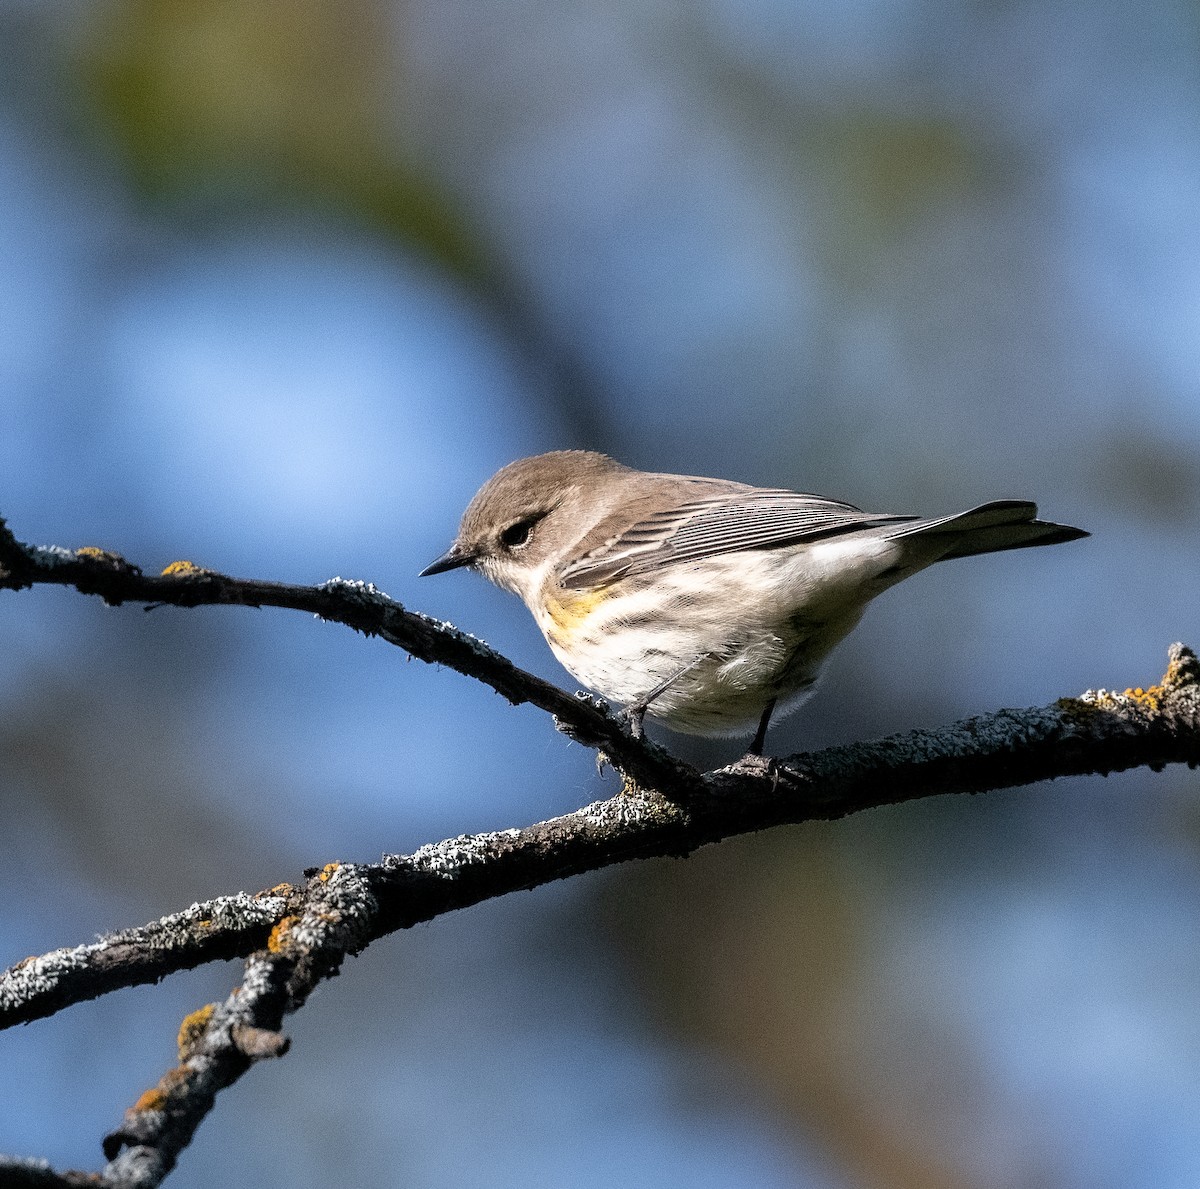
point(728, 522)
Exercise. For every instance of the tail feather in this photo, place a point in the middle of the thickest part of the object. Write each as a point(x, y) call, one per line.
point(990, 528)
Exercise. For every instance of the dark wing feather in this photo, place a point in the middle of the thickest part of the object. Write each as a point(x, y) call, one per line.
point(746, 518)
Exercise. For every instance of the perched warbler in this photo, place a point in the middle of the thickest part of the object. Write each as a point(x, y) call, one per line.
point(704, 603)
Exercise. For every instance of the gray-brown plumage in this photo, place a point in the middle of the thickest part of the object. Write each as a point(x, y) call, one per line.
point(703, 602)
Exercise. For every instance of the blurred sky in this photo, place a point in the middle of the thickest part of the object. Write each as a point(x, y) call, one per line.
point(282, 283)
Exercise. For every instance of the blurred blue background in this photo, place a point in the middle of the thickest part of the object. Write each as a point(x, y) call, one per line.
point(282, 283)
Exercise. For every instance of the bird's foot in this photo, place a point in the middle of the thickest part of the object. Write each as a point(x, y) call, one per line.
point(634, 717)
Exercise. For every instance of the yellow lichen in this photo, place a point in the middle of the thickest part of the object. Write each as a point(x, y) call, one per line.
point(278, 937)
point(192, 1029)
point(1182, 670)
point(180, 569)
point(327, 871)
point(280, 889)
point(1134, 698)
point(1076, 708)
point(100, 555)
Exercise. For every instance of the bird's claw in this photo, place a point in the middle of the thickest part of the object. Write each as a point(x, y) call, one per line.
point(634, 717)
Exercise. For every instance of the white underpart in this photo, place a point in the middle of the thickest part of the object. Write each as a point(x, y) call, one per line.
point(754, 626)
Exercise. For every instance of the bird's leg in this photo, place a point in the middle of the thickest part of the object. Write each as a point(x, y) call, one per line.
point(760, 736)
point(635, 713)
point(634, 716)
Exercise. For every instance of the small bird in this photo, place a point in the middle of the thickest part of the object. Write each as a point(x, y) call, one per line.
point(705, 603)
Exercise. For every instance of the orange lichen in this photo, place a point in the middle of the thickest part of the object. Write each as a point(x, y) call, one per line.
point(192, 1029)
point(1183, 670)
point(327, 871)
point(182, 568)
point(278, 937)
point(155, 1099)
point(1150, 698)
point(280, 889)
point(152, 1100)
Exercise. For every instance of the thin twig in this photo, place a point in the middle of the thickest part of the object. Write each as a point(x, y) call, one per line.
point(358, 605)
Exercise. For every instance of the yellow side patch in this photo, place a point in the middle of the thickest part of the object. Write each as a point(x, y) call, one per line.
point(568, 609)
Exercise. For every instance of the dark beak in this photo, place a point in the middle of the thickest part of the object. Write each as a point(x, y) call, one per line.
point(452, 559)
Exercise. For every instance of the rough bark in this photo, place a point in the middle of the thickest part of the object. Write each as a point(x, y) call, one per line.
point(293, 937)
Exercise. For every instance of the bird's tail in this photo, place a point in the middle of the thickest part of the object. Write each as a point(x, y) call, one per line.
point(1002, 524)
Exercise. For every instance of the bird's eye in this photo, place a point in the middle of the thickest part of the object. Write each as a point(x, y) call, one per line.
point(518, 534)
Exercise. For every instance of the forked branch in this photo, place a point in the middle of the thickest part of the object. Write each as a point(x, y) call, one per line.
point(292, 937)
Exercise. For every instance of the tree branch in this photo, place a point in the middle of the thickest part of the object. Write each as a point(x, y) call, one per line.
point(294, 937)
point(358, 605)
point(1100, 732)
point(214, 931)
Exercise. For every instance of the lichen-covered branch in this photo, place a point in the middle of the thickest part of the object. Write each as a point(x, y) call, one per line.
point(1098, 732)
point(219, 1042)
point(358, 605)
point(213, 931)
point(295, 936)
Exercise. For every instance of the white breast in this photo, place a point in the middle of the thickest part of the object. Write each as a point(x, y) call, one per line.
point(752, 627)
